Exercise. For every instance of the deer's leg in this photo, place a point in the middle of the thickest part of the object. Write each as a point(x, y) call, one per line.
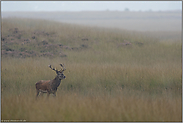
point(37, 93)
point(42, 92)
point(48, 93)
point(54, 94)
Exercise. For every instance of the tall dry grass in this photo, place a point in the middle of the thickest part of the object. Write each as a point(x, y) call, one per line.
point(104, 82)
point(91, 92)
point(69, 106)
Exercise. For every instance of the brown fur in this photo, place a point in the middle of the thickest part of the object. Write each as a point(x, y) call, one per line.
point(50, 86)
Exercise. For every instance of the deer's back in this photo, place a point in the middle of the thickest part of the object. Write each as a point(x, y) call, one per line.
point(43, 85)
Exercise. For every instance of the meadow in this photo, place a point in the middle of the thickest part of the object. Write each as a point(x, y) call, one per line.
point(111, 74)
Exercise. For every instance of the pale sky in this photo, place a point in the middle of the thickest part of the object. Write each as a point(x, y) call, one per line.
point(90, 5)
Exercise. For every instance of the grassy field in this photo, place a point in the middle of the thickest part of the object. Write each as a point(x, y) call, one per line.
point(111, 75)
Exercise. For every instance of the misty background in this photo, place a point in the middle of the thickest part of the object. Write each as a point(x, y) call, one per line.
point(128, 15)
point(90, 5)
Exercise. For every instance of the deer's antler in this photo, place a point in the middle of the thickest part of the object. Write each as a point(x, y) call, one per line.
point(52, 68)
point(63, 66)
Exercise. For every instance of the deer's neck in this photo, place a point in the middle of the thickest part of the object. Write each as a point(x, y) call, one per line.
point(56, 82)
point(57, 79)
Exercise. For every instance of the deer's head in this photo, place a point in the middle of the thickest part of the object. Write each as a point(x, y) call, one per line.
point(59, 73)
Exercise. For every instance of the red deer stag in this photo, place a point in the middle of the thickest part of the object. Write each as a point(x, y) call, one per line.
point(50, 86)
